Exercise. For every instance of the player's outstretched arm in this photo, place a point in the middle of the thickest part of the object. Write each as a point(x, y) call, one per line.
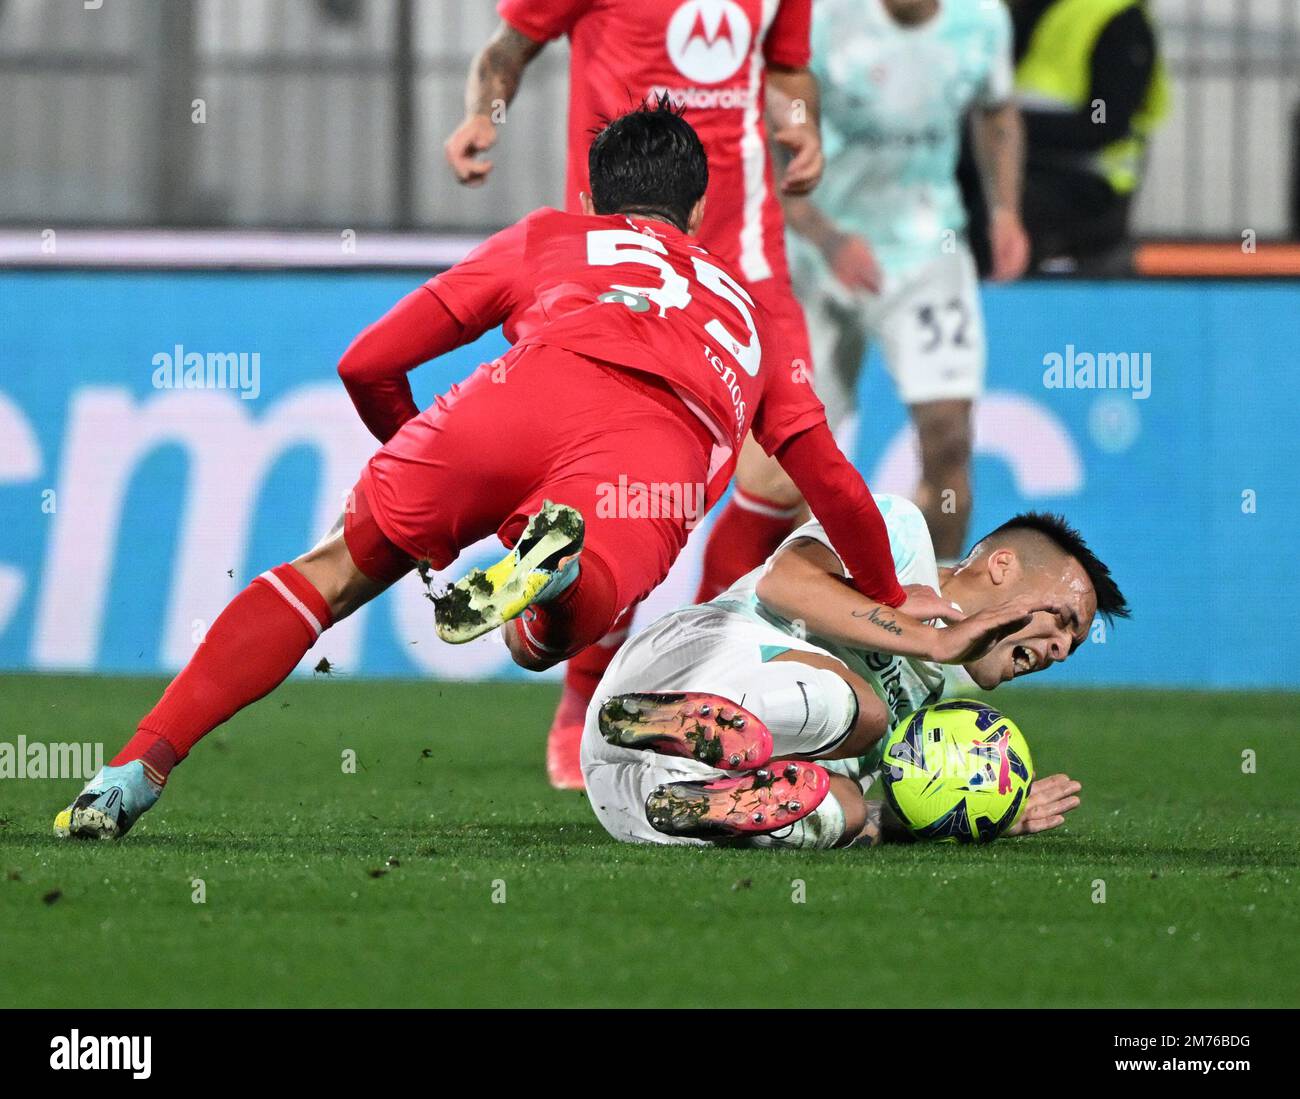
point(880, 824)
point(839, 497)
point(1049, 800)
point(805, 583)
point(494, 78)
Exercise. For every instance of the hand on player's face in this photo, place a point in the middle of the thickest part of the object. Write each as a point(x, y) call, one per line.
point(1050, 636)
point(926, 604)
point(1049, 800)
point(977, 635)
point(1048, 639)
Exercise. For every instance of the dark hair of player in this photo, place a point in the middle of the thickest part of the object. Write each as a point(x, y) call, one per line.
point(1110, 600)
point(648, 161)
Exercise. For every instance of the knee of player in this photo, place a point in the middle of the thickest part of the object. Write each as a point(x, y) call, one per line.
point(762, 478)
point(948, 449)
point(329, 569)
point(526, 656)
point(846, 718)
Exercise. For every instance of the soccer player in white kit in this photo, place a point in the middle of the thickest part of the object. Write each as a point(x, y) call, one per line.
point(791, 665)
point(879, 253)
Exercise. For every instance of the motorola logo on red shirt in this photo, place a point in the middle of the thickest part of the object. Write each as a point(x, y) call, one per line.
point(709, 40)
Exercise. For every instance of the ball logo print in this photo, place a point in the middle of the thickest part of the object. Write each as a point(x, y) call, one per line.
point(708, 40)
point(995, 749)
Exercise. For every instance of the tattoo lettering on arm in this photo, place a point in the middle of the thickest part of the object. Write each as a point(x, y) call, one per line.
point(884, 621)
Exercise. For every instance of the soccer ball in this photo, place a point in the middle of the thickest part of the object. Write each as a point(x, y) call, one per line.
point(957, 772)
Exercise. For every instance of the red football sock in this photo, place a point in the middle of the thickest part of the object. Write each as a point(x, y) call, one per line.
point(583, 613)
point(249, 651)
point(743, 537)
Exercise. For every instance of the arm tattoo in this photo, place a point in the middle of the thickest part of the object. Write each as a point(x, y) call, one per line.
point(877, 619)
point(498, 70)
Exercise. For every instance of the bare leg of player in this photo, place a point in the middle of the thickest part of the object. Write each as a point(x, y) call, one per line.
point(249, 651)
point(264, 633)
point(944, 493)
point(581, 674)
point(328, 567)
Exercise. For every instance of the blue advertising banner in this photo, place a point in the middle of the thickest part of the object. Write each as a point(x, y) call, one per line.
point(165, 437)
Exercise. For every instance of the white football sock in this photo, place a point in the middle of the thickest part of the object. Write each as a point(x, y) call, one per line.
point(823, 827)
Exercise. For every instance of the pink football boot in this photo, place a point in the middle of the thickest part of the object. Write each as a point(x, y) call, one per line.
point(709, 728)
point(765, 801)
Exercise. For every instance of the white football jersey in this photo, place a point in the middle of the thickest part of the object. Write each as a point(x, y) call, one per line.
point(894, 101)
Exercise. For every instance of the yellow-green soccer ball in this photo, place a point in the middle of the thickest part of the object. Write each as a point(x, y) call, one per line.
point(957, 772)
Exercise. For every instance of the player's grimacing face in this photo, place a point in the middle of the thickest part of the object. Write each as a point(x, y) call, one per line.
point(1049, 638)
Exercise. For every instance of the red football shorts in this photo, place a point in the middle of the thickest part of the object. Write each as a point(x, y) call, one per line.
point(540, 424)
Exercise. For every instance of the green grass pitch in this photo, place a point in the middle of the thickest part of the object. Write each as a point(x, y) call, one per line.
point(382, 888)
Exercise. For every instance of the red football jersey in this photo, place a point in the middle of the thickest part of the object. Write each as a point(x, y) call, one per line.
point(711, 56)
point(640, 294)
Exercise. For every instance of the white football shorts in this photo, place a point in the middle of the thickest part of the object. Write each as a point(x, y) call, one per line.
point(929, 325)
point(708, 649)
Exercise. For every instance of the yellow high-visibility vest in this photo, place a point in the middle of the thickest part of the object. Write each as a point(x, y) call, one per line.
point(1055, 72)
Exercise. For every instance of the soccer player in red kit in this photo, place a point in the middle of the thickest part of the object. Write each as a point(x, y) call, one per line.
point(718, 59)
point(636, 355)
